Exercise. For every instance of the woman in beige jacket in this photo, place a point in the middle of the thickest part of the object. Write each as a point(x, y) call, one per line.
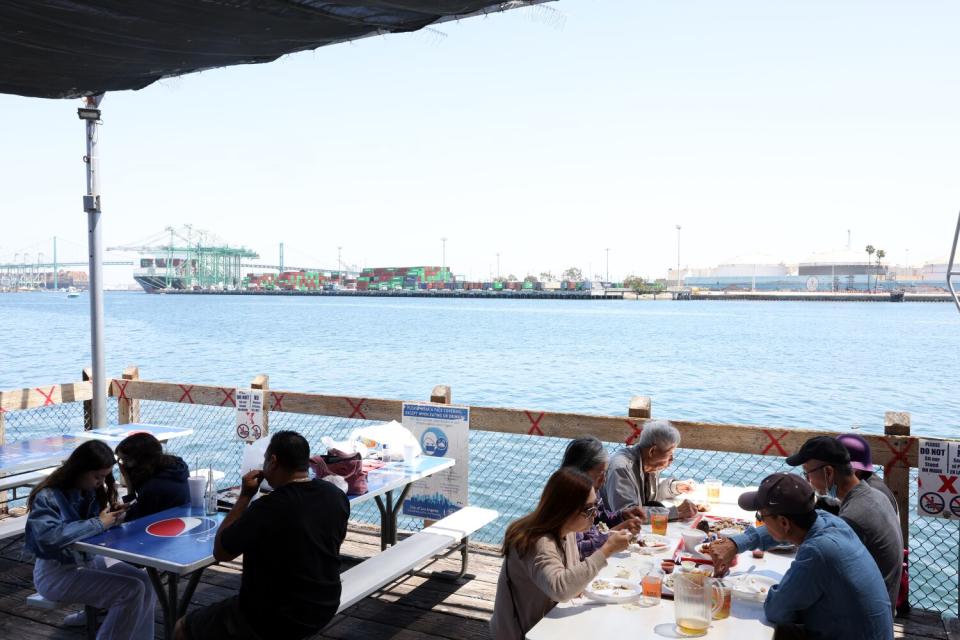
point(541, 563)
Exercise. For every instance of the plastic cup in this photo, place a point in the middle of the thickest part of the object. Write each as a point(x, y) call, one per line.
point(713, 490)
point(722, 598)
point(409, 452)
point(658, 520)
point(652, 585)
point(198, 486)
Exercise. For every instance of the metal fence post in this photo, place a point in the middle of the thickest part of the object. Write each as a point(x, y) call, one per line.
point(3, 433)
point(897, 477)
point(128, 410)
point(262, 381)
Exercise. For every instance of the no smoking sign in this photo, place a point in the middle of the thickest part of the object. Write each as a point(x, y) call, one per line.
point(939, 466)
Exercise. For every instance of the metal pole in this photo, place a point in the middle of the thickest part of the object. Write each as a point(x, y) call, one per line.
point(950, 268)
point(498, 266)
point(56, 279)
point(90, 113)
point(608, 264)
point(678, 256)
point(339, 267)
point(443, 262)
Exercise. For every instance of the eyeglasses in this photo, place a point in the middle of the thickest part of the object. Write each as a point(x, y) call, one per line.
point(806, 474)
point(590, 511)
point(759, 517)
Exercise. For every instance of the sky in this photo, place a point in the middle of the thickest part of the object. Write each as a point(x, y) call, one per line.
point(548, 135)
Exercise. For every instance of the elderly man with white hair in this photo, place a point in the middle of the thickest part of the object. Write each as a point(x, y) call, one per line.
point(633, 477)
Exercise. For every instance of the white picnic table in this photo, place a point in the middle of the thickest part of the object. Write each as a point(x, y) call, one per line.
point(582, 618)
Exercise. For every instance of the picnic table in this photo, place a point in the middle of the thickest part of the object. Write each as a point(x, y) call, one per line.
point(177, 542)
point(25, 463)
point(113, 435)
point(581, 618)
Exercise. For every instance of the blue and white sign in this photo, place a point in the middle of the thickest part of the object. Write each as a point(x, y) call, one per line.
point(443, 431)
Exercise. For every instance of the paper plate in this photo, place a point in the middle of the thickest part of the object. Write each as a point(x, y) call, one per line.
point(612, 590)
point(652, 543)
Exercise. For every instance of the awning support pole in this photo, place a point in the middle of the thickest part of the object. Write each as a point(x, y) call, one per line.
point(90, 114)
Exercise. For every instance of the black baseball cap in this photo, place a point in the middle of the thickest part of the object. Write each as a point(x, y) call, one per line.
point(780, 494)
point(820, 448)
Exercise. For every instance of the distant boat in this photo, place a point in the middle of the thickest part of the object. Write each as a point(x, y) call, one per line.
point(73, 293)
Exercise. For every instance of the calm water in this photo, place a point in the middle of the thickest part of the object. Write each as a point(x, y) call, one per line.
point(820, 365)
point(826, 365)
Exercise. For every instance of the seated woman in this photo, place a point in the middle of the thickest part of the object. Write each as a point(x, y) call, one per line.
point(633, 478)
point(74, 502)
point(156, 480)
point(541, 564)
point(588, 456)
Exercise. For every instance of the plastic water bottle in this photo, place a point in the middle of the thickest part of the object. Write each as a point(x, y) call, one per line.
point(385, 452)
point(210, 497)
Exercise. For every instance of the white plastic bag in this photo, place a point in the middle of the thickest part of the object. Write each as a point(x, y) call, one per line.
point(346, 446)
point(253, 458)
point(392, 434)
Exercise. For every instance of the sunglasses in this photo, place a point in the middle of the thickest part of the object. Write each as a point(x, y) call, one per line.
point(590, 511)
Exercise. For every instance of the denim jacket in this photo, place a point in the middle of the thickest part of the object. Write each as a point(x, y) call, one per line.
point(57, 520)
point(833, 587)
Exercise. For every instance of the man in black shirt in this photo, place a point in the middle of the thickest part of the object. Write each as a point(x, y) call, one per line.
point(290, 540)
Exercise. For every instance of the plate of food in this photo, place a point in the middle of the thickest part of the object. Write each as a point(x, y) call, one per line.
point(750, 586)
point(650, 543)
point(612, 590)
point(722, 526)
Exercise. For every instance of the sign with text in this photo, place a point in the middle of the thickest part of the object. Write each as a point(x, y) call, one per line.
point(938, 488)
point(443, 431)
point(249, 414)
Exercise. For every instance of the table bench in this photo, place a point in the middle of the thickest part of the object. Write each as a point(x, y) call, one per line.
point(440, 539)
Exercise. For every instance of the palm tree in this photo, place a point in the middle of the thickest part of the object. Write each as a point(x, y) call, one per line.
point(870, 252)
point(881, 254)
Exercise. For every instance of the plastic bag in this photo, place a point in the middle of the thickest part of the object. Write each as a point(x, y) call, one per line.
point(393, 434)
point(253, 458)
point(346, 446)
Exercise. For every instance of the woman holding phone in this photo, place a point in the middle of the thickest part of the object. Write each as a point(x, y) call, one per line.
point(76, 501)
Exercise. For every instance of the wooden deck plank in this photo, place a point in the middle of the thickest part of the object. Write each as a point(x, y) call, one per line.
point(411, 608)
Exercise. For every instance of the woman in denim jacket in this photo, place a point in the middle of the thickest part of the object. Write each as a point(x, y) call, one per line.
point(74, 502)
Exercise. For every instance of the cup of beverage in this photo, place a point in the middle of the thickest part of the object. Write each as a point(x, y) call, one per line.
point(409, 453)
point(198, 486)
point(652, 585)
point(713, 490)
point(722, 598)
point(658, 520)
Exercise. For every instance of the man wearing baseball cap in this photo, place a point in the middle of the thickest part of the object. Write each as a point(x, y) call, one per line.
point(826, 465)
point(833, 588)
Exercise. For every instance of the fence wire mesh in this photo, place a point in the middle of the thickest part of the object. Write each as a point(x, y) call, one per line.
point(507, 472)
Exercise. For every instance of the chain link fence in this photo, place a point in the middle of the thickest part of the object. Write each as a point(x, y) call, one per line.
point(507, 473)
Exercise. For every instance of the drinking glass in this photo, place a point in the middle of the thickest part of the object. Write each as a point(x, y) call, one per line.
point(722, 598)
point(652, 584)
point(713, 490)
point(658, 520)
point(693, 603)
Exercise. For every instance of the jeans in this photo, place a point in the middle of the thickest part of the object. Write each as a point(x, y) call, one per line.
point(124, 591)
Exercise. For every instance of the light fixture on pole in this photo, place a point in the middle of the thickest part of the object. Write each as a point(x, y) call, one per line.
point(443, 262)
point(678, 256)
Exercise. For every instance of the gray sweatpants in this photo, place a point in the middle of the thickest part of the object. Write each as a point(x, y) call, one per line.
point(124, 591)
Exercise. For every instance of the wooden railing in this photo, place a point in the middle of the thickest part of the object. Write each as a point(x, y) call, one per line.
point(895, 450)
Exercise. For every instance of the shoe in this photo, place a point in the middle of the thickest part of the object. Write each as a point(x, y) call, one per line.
point(76, 619)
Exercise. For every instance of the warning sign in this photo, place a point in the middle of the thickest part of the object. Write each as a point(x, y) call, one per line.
point(249, 414)
point(938, 487)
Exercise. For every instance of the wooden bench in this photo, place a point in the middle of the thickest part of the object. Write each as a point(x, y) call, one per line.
point(440, 539)
point(37, 601)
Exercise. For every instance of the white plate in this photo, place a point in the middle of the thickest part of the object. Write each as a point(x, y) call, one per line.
point(749, 586)
point(652, 543)
point(612, 590)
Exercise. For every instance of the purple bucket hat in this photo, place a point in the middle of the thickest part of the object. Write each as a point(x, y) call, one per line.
point(859, 448)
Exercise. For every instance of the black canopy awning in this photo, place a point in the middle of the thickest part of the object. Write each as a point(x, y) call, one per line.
point(73, 48)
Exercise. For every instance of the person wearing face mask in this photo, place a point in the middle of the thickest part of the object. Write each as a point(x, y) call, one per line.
point(826, 466)
point(633, 477)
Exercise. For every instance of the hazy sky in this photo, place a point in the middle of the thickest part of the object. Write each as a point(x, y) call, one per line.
point(547, 135)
